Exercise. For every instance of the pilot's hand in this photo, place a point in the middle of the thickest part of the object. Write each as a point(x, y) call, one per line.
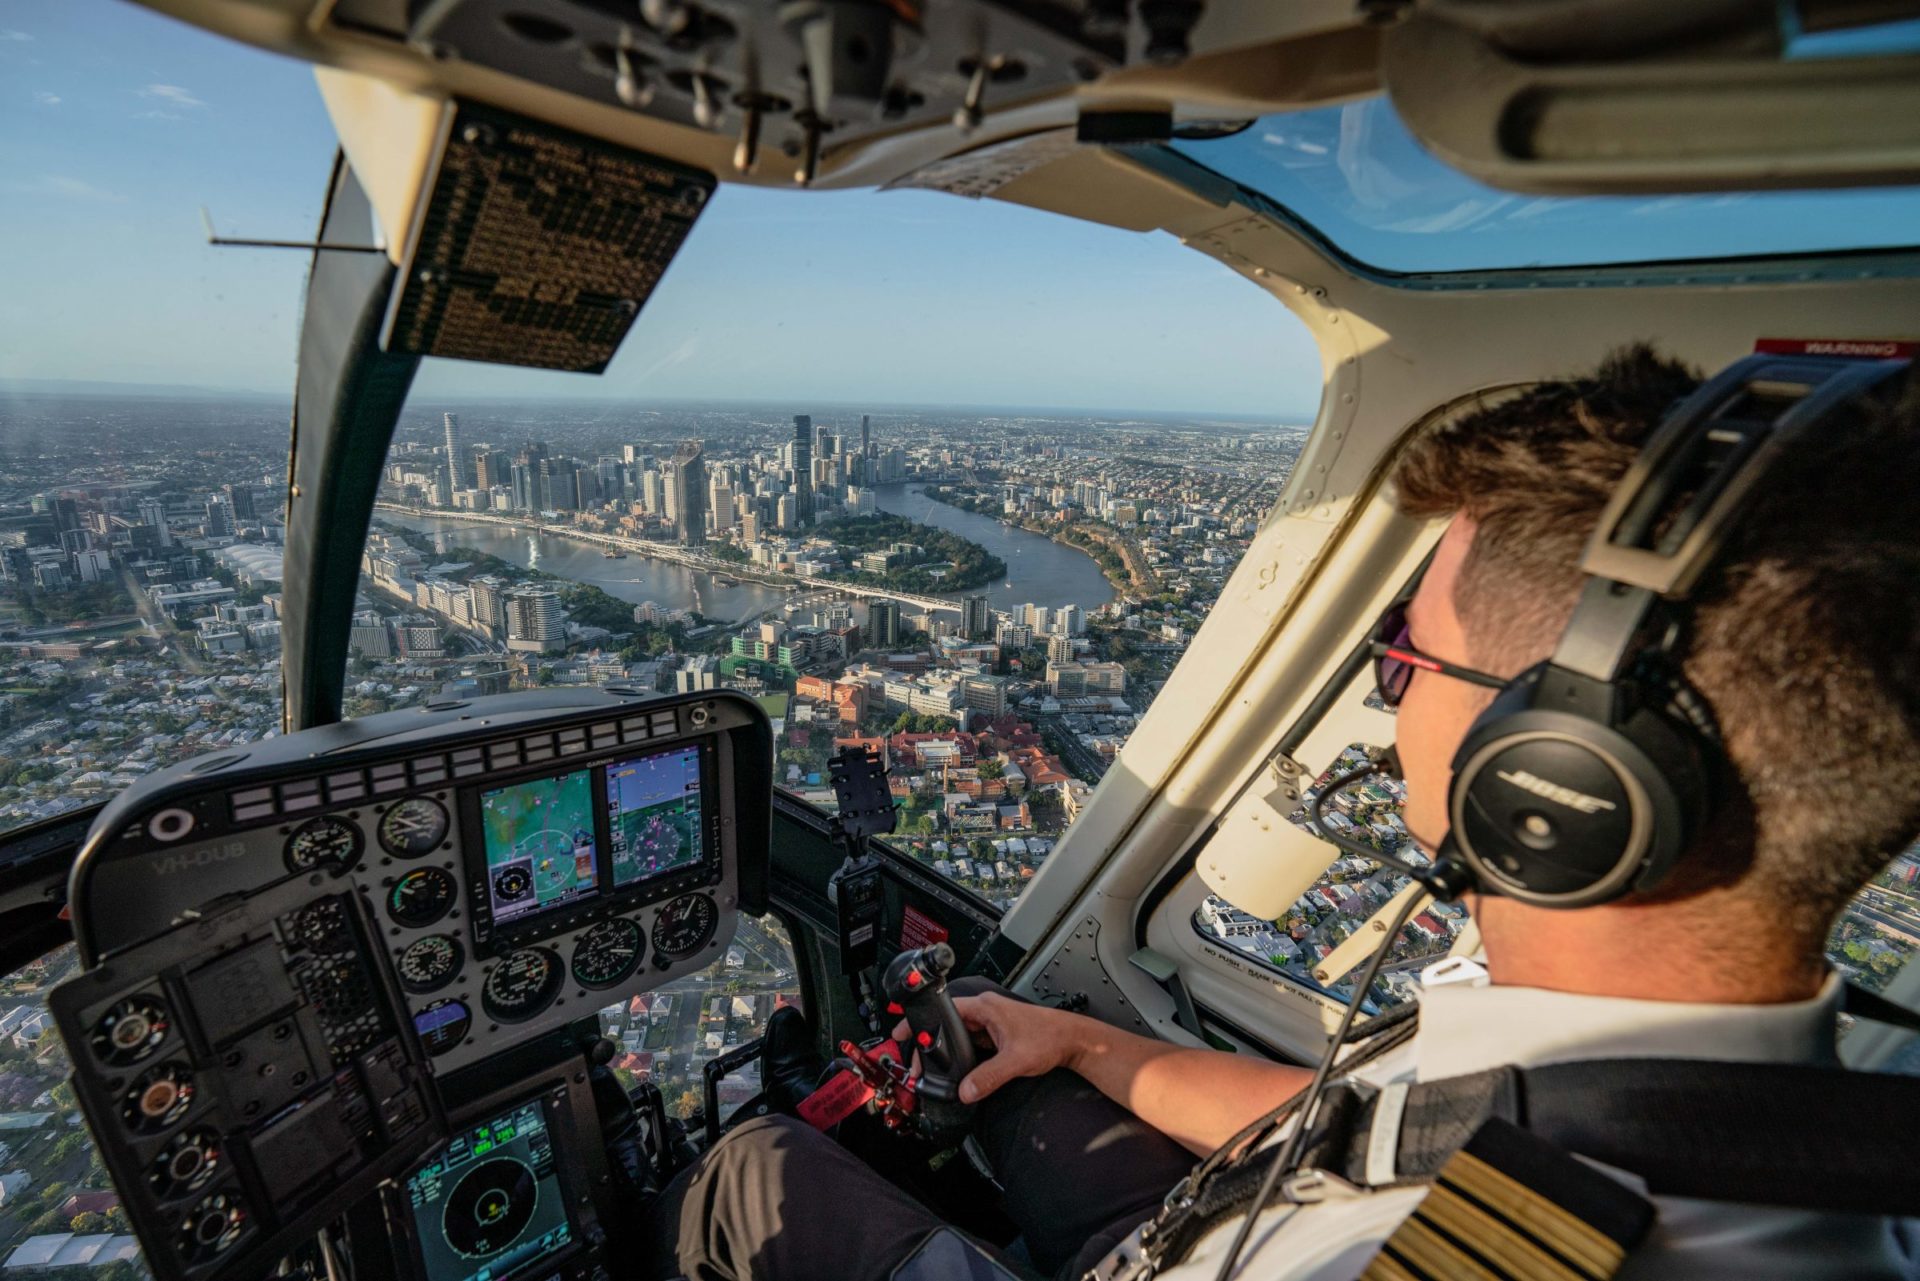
point(1028, 1040)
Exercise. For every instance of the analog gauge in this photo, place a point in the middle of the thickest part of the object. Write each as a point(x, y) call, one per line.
point(429, 962)
point(130, 1030)
point(511, 884)
point(414, 827)
point(442, 1025)
point(684, 926)
point(522, 985)
point(185, 1164)
point(211, 1228)
point(327, 842)
point(421, 897)
point(608, 952)
point(160, 1096)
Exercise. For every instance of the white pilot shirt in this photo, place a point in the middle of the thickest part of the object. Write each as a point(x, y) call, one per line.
point(1470, 1027)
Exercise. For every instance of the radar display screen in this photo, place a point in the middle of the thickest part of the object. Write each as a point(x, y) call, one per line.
point(490, 1204)
point(539, 843)
point(653, 813)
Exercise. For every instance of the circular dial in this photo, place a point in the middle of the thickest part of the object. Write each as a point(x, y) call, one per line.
point(421, 897)
point(185, 1164)
point(442, 1025)
point(512, 883)
point(429, 962)
point(489, 1208)
point(211, 1227)
point(522, 985)
point(608, 952)
point(159, 1097)
point(684, 926)
point(131, 1030)
point(414, 827)
point(323, 842)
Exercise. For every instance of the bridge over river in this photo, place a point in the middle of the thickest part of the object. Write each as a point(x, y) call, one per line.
point(674, 552)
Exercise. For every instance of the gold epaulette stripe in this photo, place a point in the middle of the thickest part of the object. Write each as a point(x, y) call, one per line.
point(1587, 1248)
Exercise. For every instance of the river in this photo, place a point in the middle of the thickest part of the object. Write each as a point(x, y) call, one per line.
point(1038, 569)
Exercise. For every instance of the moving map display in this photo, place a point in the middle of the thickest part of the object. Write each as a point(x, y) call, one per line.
point(491, 1203)
point(540, 846)
point(653, 812)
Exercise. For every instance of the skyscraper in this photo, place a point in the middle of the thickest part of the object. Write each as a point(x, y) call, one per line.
point(535, 621)
point(802, 470)
point(976, 620)
point(458, 472)
point(689, 495)
point(866, 450)
point(883, 623)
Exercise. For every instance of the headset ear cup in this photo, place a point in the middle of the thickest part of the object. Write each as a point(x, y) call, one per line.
point(1553, 806)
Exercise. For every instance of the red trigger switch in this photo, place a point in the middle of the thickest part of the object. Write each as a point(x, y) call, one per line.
point(894, 1007)
point(925, 1039)
point(915, 978)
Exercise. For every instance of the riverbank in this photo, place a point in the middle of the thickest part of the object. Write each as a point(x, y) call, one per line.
point(1119, 558)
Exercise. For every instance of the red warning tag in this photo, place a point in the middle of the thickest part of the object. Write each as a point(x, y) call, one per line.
point(917, 929)
point(1852, 348)
point(843, 1095)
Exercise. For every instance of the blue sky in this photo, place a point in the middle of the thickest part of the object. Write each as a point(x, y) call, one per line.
point(116, 125)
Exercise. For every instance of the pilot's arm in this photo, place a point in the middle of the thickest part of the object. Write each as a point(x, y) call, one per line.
point(1198, 1098)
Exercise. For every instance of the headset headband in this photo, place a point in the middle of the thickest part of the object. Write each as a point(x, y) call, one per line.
point(1715, 448)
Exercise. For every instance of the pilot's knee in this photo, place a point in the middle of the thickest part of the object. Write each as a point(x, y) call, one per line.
point(751, 1142)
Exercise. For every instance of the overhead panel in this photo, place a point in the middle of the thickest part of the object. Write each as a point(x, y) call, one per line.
point(537, 246)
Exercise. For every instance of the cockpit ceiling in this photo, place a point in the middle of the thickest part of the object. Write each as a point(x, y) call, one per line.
point(831, 93)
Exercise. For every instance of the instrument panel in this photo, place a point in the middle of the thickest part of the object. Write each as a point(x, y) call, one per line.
point(527, 858)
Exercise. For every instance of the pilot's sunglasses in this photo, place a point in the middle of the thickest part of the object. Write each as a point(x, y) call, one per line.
point(1395, 660)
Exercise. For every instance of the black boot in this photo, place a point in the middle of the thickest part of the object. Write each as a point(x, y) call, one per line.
point(790, 1059)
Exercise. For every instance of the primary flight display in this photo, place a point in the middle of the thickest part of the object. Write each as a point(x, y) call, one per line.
point(539, 845)
point(653, 809)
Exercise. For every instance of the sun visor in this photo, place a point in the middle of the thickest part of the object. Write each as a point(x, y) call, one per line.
point(389, 136)
point(1644, 96)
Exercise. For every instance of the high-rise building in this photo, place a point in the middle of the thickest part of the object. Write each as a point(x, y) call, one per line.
point(802, 470)
point(490, 604)
point(535, 622)
point(1059, 649)
point(689, 495)
point(492, 467)
point(523, 486)
point(883, 623)
point(976, 620)
point(219, 517)
point(651, 497)
point(457, 470)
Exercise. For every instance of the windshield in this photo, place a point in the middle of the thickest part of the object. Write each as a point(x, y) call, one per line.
point(145, 385)
point(1356, 177)
point(985, 567)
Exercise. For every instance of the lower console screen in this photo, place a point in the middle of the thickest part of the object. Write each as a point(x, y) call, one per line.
point(539, 842)
point(653, 812)
point(491, 1204)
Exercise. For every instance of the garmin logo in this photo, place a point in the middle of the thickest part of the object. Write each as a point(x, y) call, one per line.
point(1554, 792)
point(187, 859)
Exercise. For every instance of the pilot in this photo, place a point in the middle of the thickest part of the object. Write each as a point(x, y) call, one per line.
point(1805, 641)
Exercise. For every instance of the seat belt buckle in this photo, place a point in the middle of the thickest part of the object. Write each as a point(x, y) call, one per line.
point(1312, 1186)
point(1127, 1261)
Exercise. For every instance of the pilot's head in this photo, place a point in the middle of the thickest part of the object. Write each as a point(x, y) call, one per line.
point(1805, 639)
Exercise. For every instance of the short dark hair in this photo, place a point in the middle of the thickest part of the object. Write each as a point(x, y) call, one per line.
point(1805, 638)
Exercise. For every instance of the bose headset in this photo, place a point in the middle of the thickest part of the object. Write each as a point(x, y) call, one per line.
point(1592, 772)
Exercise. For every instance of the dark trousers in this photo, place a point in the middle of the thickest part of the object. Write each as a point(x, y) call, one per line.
point(775, 1200)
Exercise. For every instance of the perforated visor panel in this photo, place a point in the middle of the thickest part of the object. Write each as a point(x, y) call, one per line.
point(537, 246)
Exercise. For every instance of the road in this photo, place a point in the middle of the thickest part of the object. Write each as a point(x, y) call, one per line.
point(682, 555)
point(1082, 760)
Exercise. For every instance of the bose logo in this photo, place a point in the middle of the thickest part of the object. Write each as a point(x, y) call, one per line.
point(1554, 792)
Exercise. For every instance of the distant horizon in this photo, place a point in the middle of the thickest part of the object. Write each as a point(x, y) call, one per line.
point(440, 402)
